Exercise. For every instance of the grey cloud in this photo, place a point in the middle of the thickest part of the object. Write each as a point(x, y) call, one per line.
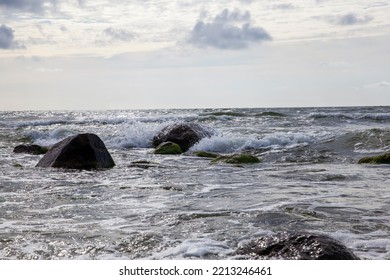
point(284, 6)
point(346, 19)
point(119, 34)
point(35, 6)
point(352, 19)
point(228, 30)
point(81, 3)
point(7, 40)
point(235, 16)
point(113, 35)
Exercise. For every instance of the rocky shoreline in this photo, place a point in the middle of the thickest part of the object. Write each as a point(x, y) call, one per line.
point(87, 151)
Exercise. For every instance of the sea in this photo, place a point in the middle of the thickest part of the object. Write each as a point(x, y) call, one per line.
point(160, 207)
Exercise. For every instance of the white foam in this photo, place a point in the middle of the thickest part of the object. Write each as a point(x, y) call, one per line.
point(195, 248)
point(370, 116)
point(236, 143)
point(48, 138)
point(135, 135)
point(45, 122)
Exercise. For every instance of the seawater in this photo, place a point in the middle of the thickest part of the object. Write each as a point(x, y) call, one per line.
point(183, 207)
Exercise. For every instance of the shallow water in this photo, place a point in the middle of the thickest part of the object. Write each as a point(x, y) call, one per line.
point(174, 207)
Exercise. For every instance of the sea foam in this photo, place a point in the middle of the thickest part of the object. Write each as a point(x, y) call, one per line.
point(238, 142)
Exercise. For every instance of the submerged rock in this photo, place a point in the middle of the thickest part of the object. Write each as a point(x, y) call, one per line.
point(144, 164)
point(381, 159)
point(206, 154)
point(30, 149)
point(296, 246)
point(237, 159)
point(82, 151)
point(183, 134)
point(168, 148)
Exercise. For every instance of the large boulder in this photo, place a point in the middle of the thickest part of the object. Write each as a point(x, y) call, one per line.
point(82, 151)
point(296, 246)
point(30, 149)
point(183, 134)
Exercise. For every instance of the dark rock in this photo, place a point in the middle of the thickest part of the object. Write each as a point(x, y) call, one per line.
point(296, 246)
point(30, 149)
point(82, 151)
point(144, 164)
point(168, 148)
point(237, 159)
point(206, 154)
point(381, 159)
point(183, 134)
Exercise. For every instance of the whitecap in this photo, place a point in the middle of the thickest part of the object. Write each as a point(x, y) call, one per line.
point(236, 143)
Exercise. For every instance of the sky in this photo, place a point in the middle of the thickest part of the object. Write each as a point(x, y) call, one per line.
point(133, 54)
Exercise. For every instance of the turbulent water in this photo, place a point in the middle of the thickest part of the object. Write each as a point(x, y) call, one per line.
point(173, 207)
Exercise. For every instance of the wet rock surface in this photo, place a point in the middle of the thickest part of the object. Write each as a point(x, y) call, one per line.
point(183, 134)
point(296, 246)
point(30, 149)
point(82, 151)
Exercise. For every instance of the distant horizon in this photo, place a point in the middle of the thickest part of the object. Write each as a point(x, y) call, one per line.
point(204, 108)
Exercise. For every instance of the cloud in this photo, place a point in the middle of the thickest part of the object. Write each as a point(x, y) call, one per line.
point(346, 19)
point(114, 35)
point(228, 30)
point(7, 40)
point(35, 6)
point(378, 85)
point(119, 34)
point(352, 19)
point(284, 6)
point(336, 64)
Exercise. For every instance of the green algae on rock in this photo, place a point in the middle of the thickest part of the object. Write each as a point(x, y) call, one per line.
point(237, 159)
point(168, 148)
point(381, 159)
point(206, 154)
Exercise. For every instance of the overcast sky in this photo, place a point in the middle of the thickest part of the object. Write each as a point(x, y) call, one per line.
point(140, 54)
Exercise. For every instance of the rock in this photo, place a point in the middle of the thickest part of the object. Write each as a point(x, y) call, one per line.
point(296, 246)
point(144, 164)
point(183, 134)
point(82, 151)
point(30, 149)
point(381, 159)
point(237, 159)
point(206, 154)
point(168, 148)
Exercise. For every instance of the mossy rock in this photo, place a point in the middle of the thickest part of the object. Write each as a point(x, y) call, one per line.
point(237, 159)
point(206, 154)
point(381, 159)
point(168, 148)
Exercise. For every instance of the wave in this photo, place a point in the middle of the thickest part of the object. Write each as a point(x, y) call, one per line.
point(351, 116)
point(135, 135)
point(237, 143)
point(20, 124)
point(226, 113)
point(48, 138)
point(241, 114)
point(271, 114)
